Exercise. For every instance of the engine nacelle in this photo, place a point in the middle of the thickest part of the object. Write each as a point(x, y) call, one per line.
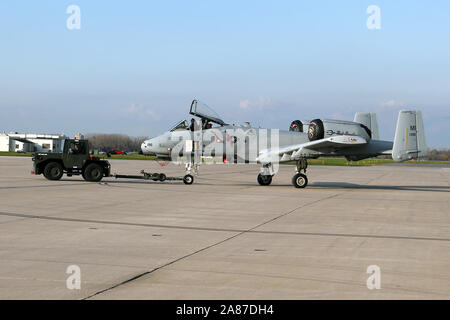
point(296, 126)
point(319, 129)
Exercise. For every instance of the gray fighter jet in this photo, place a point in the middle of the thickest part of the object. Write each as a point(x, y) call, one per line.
point(211, 137)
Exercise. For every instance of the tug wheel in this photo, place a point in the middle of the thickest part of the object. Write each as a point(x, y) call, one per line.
point(188, 179)
point(53, 171)
point(93, 173)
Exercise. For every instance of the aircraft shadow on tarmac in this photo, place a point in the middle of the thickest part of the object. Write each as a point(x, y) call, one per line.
point(346, 185)
point(149, 182)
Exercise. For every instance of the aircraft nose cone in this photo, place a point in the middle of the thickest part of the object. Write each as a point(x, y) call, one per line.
point(147, 147)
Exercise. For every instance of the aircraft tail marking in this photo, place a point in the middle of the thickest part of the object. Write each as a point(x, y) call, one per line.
point(409, 141)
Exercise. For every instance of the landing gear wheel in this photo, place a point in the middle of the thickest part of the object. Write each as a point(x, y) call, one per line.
point(264, 180)
point(300, 180)
point(188, 179)
point(93, 172)
point(162, 177)
point(53, 171)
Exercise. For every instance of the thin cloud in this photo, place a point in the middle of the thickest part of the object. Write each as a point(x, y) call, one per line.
point(259, 103)
point(392, 104)
point(139, 111)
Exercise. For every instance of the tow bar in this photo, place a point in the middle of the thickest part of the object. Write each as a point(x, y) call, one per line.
point(187, 179)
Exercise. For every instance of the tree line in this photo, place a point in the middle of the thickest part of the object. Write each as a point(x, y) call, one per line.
point(123, 142)
point(435, 154)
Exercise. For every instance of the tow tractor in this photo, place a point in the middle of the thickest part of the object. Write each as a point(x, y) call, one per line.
point(77, 160)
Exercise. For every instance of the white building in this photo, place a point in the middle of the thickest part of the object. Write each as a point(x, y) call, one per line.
point(30, 142)
point(6, 143)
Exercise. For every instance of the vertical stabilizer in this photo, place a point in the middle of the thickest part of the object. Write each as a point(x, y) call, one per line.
point(409, 141)
point(370, 121)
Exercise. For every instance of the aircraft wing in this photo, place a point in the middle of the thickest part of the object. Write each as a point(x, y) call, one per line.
point(311, 148)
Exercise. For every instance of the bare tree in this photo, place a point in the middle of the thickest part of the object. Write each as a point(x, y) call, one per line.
point(104, 141)
point(441, 155)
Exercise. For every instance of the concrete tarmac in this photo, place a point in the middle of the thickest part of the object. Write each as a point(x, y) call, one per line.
point(226, 237)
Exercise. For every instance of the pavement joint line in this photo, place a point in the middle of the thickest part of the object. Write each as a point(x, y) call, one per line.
point(251, 230)
point(40, 186)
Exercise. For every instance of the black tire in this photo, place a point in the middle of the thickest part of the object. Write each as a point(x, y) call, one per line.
point(53, 171)
point(162, 177)
point(300, 180)
point(316, 130)
point(264, 180)
point(188, 179)
point(93, 172)
point(296, 126)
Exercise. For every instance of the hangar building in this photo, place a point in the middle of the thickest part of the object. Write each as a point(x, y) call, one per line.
point(31, 142)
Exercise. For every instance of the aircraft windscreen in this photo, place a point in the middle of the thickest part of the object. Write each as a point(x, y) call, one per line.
point(182, 125)
point(201, 110)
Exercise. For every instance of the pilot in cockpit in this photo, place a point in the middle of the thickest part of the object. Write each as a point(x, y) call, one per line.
point(206, 124)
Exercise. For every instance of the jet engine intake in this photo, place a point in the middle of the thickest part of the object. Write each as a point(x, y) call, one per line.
point(296, 126)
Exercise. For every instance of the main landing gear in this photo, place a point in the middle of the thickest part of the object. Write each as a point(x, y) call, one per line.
point(299, 180)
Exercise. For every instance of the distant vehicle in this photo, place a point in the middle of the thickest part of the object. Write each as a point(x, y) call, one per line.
point(116, 151)
point(74, 160)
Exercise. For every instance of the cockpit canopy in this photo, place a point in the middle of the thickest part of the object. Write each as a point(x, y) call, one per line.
point(203, 111)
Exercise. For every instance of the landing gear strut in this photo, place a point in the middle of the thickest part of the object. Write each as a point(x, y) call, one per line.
point(299, 180)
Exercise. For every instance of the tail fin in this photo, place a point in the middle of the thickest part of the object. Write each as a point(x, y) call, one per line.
point(370, 121)
point(409, 141)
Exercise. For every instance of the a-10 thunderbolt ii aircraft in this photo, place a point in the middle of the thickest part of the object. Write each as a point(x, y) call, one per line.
point(354, 140)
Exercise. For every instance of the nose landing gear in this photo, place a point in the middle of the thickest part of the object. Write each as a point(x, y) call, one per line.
point(264, 180)
point(266, 174)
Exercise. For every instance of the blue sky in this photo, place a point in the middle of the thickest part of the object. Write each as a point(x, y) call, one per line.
point(135, 66)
